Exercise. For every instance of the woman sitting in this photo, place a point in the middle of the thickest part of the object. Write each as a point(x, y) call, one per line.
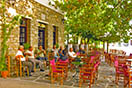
point(62, 55)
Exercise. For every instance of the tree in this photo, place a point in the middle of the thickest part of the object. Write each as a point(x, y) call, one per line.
point(106, 20)
point(8, 23)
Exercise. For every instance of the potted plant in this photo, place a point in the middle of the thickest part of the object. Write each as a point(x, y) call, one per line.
point(57, 45)
point(8, 21)
point(6, 32)
point(26, 46)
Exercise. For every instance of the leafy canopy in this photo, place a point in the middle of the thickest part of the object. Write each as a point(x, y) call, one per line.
point(106, 20)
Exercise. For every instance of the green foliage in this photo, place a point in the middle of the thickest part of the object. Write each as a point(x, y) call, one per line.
point(8, 23)
point(71, 42)
point(102, 20)
point(26, 46)
point(6, 32)
point(57, 45)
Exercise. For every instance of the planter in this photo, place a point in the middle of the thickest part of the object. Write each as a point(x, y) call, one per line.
point(4, 74)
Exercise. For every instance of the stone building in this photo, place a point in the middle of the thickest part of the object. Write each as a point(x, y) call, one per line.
point(44, 28)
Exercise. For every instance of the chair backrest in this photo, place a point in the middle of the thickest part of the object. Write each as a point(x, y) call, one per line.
point(66, 61)
point(52, 65)
point(50, 56)
point(86, 71)
point(86, 60)
point(62, 64)
point(130, 77)
point(92, 59)
point(116, 63)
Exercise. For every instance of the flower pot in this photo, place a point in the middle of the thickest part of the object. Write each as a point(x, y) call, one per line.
point(4, 74)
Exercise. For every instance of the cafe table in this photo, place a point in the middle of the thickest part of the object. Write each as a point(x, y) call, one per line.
point(77, 64)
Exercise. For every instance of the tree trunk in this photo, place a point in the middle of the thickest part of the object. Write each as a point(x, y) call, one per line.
point(103, 45)
point(67, 39)
point(107, 47)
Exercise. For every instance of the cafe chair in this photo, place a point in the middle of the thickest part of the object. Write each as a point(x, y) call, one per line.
point(119, 71)
point(57, 71)
point(20, 68)
point(70, 62)
point(86, 74)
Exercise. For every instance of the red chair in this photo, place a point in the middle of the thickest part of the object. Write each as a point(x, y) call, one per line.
point(119, 70)
point(128, 76)
point(57, 71)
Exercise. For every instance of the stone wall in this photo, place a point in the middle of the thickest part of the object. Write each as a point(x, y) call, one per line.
point(45, 15)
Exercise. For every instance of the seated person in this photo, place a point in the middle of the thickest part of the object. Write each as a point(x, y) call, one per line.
point(56, 55)
point(23, 59)
point(41, 55)
point(72, 53)
point(30, 55)
point(61, 49)
point(81, 51)
point(62, 55)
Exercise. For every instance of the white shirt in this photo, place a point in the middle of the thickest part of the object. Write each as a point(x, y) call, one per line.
point(82, 46)
point(55, 51)
point(72, 54)
point(20, 53)
point(69, 46)
point(30, 52)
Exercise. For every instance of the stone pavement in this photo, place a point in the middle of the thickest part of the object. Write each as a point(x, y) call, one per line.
point(106, 79)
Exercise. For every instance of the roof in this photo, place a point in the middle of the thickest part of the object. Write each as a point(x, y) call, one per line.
point(46, 3)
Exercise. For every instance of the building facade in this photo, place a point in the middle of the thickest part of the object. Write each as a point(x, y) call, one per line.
point(44, 28)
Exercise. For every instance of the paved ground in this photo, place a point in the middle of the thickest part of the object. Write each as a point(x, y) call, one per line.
point(40, 80)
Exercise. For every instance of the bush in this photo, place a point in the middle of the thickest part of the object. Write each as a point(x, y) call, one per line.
point(26, 46)
point(57, 45)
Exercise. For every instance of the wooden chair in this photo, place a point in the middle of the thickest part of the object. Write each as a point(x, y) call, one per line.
point(20, 68)
point(86, 60)
point(112, 59)
point(119, 64)
point(70, 62)
point(50, 56)
point(65, 66)
point(86, 73)
point(57, 72)
point(128, 77)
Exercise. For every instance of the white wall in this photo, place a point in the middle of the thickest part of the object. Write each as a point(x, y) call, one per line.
point(46, 3)
point(127, 49)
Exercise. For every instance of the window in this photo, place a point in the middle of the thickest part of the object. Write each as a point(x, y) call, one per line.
point(55, 35)
point(23, 31)
point(41, 34)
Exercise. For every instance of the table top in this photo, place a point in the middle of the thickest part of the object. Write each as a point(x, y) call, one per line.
point(78, 63)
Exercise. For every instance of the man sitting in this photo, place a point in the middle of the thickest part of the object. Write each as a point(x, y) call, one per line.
point(32, 59)
point(41, 54)
point(56, 55)
point(81, 51)
point(62, 55)
point(72, 53)
point(23, 59)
